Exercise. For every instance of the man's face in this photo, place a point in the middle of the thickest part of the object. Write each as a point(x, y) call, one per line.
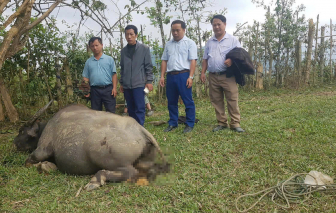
point(177, 32)
point(218, 27)
point(131, 37)
point(96, 47)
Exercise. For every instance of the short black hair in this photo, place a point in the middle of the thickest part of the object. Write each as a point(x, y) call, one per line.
point(128, 27)
point(92, 39)
point(183, 25)
point(221, 17)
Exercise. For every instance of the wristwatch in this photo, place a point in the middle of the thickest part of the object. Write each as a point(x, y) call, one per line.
point(191, 77)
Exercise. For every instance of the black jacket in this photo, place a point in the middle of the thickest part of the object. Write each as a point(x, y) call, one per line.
point(136, 71)
point(241, 65)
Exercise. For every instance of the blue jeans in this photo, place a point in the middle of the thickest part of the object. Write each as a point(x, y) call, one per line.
point(176, 86)
point(135, 99)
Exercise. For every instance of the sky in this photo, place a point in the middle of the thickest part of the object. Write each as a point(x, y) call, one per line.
point(238, 11)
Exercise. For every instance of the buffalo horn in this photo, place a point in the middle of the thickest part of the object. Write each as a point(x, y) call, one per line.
point(38, 114)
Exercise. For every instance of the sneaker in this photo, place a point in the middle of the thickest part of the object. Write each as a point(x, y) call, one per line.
point(169, 128)
point(218, 128)
point(187, 129)
point(150, 113)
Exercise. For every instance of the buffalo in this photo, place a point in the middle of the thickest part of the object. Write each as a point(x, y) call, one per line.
point(82, 141)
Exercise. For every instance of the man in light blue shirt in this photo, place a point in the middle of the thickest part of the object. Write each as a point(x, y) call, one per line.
point(214, 60)
point(100, 72)
point(179, 62)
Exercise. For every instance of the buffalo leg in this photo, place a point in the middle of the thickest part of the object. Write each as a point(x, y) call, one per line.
point(119, 175)
point(39, 155)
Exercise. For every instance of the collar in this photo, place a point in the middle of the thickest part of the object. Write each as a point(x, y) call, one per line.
point(183, 39)
point(101, 57)
point(225, 37)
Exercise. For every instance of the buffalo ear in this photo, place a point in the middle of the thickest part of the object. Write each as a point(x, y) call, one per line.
point(33, 130)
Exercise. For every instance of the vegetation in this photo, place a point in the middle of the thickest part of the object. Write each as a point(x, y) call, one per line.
point(288, 132)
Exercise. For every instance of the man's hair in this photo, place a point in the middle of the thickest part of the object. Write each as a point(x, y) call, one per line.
point(128, 27)
point(92, 39)
point(221, 17)
point(183, 25)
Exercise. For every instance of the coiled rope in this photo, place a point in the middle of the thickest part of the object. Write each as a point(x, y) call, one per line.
point(292, 190)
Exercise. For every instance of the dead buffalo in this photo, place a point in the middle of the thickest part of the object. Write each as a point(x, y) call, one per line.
point(82, 141)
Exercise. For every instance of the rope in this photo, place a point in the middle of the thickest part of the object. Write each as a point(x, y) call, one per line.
point(292, 190)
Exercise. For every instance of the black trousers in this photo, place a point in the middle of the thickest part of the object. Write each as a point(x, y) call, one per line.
point(102, 95)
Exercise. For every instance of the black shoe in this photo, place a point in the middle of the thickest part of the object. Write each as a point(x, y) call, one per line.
point(238, 129)
point(187, 129)
point(219, 127)
point(169, 128)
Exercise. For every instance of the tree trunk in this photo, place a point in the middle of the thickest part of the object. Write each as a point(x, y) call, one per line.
point(322, 50)
point(331, 48)
point(298, 58)
point(10, 109)
point(309, 51)
point(2, 114)
point(197, 74)
point(68, 80)
point(158, 8)
point(22, 86)
point(58, 84)
point(259, 79)
point(315, 52)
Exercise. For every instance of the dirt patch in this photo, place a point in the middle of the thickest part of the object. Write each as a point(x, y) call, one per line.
point(329, 93)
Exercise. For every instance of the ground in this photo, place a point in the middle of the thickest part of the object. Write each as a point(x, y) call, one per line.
point(287, 132)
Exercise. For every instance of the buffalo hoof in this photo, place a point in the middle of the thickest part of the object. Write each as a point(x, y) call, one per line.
point(46, 167)
point(91, 186)
point(142, 182)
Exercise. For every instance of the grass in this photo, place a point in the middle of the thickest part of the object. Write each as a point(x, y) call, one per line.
point(287, 132)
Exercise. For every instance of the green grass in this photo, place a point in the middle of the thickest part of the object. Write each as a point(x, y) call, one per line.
point(287, 132)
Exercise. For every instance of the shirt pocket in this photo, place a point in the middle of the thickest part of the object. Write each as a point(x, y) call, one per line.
point(224, 50)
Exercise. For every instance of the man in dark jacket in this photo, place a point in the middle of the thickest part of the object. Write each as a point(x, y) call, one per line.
point(136, 74)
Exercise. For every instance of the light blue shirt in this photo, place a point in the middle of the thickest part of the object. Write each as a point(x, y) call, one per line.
point(215, 52)
point(179, 54)
point(99, 72)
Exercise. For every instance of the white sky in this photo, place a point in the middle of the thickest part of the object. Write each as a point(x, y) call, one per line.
point(238, 11)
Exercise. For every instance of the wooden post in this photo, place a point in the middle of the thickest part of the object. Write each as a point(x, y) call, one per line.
point(309, 51)
point(331, 48)
point(322, 50)
point(259, 80)
point(315, 53)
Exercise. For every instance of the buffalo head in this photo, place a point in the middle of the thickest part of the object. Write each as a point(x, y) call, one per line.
point(30, 133)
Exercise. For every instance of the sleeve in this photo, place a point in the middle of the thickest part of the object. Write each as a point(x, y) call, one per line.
point(206, 51)
point(165, 54)
point(148, 66)
point(86, 73)
point(121, 67)
point(113, 67)
point(192, 51)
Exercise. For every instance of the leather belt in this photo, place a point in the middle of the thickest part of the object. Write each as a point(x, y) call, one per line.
point(177, 72)
point(102, 86)
point(218, 73)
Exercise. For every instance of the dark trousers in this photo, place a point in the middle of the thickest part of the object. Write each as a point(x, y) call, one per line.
point(135, 99)
point(100, 95)
point(176, 86)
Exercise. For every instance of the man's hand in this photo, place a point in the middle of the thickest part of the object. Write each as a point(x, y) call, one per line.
point(114, 92)
point(189, 83)
point(162, 81)
point(150, 87)
point(228, 62)
point(203, 77)
point(121, 89)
